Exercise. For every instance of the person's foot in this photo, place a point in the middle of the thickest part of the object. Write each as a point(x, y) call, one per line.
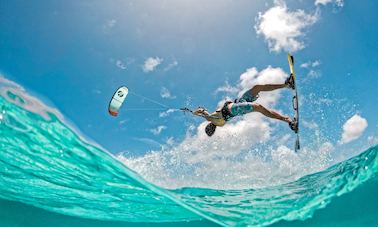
point(290, 82)
point(294, 125)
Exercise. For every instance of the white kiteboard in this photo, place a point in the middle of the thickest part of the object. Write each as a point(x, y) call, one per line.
point(290, 59)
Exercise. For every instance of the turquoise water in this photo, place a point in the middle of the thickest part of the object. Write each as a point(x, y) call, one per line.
point(46, 164)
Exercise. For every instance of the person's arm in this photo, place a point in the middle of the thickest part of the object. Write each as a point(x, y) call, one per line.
point(202, 112)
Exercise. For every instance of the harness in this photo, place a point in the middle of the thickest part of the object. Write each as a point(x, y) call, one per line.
point(226, 114)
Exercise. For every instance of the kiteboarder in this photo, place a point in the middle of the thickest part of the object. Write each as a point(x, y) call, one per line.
point(240, 106)
point(243, 105)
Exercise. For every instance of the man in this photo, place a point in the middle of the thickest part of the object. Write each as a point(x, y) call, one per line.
point(244, 105)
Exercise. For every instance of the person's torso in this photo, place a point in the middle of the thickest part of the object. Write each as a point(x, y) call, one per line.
point(218, 119)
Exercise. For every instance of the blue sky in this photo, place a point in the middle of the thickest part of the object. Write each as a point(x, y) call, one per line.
point(76, 53)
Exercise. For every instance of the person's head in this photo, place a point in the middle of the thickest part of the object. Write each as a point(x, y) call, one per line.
point(210, 129)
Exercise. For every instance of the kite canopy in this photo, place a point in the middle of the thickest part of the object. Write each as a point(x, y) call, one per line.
point(117, 100)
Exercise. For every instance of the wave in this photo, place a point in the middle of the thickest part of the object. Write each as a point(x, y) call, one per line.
point(47, 164)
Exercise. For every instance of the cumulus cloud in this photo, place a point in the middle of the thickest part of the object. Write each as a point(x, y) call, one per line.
point(353, 128)
point(284, 29)
point(166, 94)
point(339, 3)
point(158, 130)
point(151, 63)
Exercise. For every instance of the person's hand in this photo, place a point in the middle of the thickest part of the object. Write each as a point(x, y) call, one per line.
point(199, 111)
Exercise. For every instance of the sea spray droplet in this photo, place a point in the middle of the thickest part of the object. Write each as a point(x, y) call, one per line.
point(2, 114)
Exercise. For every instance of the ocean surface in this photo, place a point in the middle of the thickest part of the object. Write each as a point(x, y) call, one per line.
point(51, 176)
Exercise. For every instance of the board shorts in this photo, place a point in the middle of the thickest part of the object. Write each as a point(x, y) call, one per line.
point(243, 105)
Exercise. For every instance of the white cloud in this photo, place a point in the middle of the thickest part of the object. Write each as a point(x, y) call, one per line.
point(151, 63)
point(167, 112)
point(166, 94)
point(283, 29)
point(339, 3)
point(310, 64)
point(353, 128)
point(227, 88)
point(171, 65)
point(158, 130)
point(312, 74)
point(120, 64)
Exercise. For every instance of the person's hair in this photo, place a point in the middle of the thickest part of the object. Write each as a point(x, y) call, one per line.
point(210, 129)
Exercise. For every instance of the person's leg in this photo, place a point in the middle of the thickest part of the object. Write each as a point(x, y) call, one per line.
point(270, 113)
point(266, 87)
